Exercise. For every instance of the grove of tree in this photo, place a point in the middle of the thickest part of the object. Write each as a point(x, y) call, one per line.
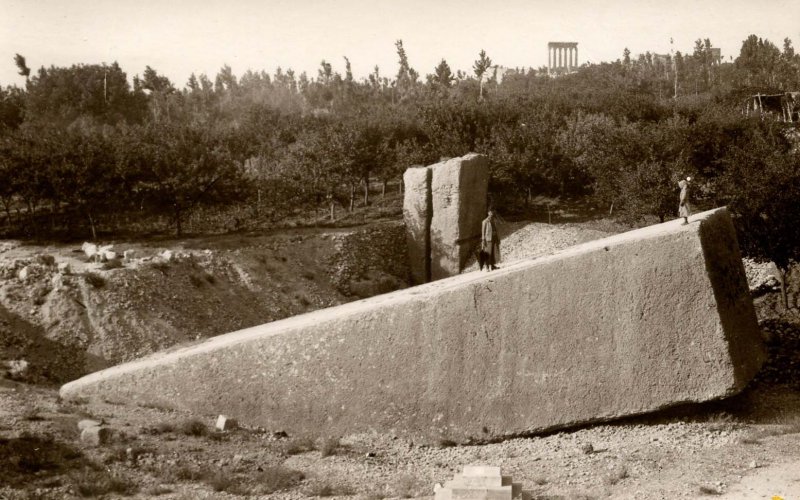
point(82, 150)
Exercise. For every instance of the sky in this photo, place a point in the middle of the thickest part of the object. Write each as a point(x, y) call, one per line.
point(179, 37)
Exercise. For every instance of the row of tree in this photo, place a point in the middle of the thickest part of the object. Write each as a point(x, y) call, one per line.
point(80, 143)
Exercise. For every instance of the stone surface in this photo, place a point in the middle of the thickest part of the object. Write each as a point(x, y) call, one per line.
point(615, 327)
point(478, 483)
point(95, 435)
point(417, 217)
point(458, 201)
point(225, 423)
point(86, 423)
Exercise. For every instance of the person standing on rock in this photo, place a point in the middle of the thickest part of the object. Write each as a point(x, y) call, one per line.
point(490, 241)
point(684, 209)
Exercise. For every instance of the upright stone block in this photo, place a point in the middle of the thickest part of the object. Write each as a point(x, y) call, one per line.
point(458, 196)
point(616, 327)
point(417, 216)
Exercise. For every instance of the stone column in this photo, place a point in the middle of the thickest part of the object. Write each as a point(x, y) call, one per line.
point(576, 56)
point(549, 59)
point(458, 205)
point(417, 213)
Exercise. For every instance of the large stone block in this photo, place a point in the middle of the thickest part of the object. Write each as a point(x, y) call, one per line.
point(417, 217)
point(458, 197)
point(615, 327)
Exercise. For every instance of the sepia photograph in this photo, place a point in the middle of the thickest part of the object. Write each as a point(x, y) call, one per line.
point(364, 250)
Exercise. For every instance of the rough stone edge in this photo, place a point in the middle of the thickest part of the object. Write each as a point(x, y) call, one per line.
point(738, 320)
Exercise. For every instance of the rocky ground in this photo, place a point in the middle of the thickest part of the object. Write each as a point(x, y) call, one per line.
point(745, 447)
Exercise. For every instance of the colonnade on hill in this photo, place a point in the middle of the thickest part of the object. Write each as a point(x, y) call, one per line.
point(562, 56)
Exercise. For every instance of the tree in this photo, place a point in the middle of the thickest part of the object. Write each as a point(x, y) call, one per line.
point(758, 59)
point(98, 92)
point(406, 76)
point(480, 67)
point(187, 165)
point(442, 77)
point(154, 82)
point(24, 70)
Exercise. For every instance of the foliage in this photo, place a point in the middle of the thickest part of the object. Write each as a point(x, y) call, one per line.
point(82, 150)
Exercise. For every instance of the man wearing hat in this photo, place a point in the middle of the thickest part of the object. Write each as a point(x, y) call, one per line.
point(490, 242)
point(684, 210)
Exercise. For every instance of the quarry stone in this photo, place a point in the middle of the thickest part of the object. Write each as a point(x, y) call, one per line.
point(95, 435)
point(458, 201)
point(417, 217)
point(86, 423)
point(225, 423)
point(621, 326)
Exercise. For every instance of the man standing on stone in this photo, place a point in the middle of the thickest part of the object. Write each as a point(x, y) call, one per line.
point(684, 210)
point(490, 241)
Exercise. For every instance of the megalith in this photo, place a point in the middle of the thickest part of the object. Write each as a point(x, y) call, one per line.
point(417, 214)
point(443, 207)
point(616, 327)
point(458, 198)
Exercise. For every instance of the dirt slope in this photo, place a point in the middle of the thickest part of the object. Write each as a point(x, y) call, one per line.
point(66, 323)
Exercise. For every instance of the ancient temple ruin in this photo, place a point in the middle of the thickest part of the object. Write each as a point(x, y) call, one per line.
point(562, 57)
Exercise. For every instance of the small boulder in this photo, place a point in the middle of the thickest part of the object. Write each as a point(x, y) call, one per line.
point(90, 249)
point(17, 368)
point(225, 424)
point(87, 422)
point(127, 255)
point(96, 435)
point(23, 273)
point(63, 268)
point(166, 255)
point(109, 255)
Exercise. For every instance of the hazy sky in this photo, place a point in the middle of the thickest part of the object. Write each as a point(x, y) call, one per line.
point(178, 37)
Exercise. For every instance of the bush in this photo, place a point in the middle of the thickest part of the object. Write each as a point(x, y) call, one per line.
point(96, 483)
point(194, 427)
point(298, 445)
point(274, 479)
point(95, 280)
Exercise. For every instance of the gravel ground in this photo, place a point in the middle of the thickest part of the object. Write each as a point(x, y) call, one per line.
point(745, 447)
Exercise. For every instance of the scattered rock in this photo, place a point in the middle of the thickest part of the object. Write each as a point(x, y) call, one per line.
point(63, 268)
point(87, 423)
point(167, 255)
point(89, 249)
point(128, 255)
point(17, 368)
point(109, 255)
point(225, 423)
point(23, 273)
point(587, 448)
point(96, 435)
